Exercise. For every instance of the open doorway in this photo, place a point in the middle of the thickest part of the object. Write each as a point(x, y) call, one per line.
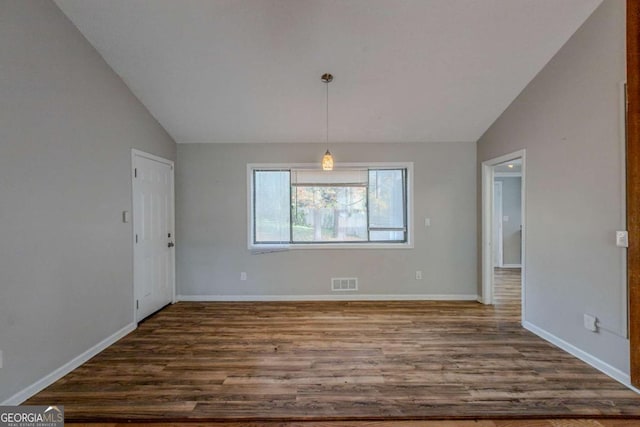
point(503, 184)
point(507, 235)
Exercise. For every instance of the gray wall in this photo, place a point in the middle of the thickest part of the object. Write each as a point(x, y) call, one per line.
point(568, 120)
point(511, 207)
point(67, 125)
point(211, 189)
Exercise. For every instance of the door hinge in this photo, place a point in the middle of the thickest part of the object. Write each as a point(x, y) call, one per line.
point(626, 97)
point(136, 238)
point(137, 304)
point(135, 173)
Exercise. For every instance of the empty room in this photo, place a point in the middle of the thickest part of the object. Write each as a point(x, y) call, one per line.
point(320, 212)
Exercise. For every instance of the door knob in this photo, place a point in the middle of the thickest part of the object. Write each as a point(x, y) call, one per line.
point(171, 244)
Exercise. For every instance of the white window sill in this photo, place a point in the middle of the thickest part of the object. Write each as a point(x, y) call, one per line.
point(280, 248)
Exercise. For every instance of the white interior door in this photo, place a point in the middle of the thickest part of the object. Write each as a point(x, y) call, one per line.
point(153, 219)
point(497, 224)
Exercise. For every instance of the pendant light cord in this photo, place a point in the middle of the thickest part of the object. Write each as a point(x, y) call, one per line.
point(327, 159)
point(327, 133)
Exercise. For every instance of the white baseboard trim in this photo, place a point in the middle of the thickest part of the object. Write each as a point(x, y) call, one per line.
point(600, 365)
point(63, 370)
point(511, 266)
point(340, 297)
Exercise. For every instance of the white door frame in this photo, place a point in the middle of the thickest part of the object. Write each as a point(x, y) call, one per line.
point(487, 219)
point(137, 153)
point(497, 214)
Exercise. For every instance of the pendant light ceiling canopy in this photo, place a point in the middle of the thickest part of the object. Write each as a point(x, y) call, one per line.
point(327, 159)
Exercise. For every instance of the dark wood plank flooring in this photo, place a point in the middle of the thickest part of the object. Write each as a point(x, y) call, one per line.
point(330, 361)
point(507, 290)
point(582, 422)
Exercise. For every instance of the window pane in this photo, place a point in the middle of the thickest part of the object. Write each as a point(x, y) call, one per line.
point(387, 204)
point(272, 214)
point(344, 177)
point(329, 214)
point(387, 236)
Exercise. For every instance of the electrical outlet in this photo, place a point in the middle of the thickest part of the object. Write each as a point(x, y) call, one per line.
point(591, 323)
point(418, 275)
point(427, 222)
point(243, 276)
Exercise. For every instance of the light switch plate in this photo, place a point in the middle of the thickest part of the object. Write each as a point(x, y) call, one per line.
point(591, 323)
point(622, 239)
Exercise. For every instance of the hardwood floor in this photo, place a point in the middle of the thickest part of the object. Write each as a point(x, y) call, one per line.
point(323, 362)
point(507, 290)
point(439, 423)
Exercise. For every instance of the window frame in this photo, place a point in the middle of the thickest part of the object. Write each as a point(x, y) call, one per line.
point(329, 245)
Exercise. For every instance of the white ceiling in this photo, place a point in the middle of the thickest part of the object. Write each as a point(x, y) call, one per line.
point(514, 166)
point(249, 70)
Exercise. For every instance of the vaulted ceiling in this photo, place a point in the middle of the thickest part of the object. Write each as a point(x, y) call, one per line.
point(249, 70)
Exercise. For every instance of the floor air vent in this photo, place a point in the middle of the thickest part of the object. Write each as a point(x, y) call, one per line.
point(344, 283)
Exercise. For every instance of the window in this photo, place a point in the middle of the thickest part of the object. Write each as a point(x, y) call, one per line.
point(304, 207)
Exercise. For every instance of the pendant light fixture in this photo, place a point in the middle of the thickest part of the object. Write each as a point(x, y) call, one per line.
point(327, 159)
